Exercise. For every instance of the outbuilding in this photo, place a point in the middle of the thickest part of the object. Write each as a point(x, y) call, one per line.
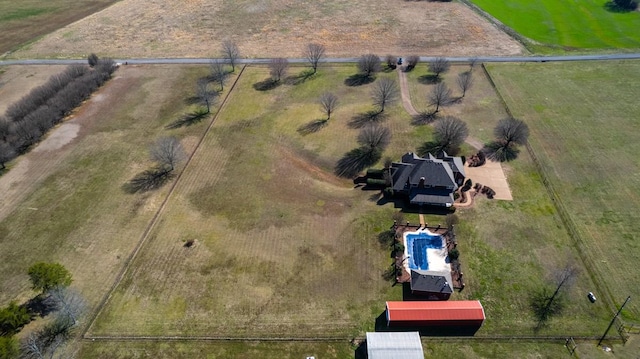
point(394, 345)
point(416, 314)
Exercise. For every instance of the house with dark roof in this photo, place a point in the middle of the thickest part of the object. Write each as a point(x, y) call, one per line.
point(428, 181)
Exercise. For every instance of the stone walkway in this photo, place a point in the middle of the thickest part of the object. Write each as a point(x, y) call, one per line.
point(490, 174)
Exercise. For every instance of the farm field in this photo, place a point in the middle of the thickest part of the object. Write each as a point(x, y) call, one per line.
point(588, 147)
point(165, 28)
point(568, 24)
point(25, 20)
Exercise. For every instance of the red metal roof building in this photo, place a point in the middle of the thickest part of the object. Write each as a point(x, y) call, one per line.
point(436, 313)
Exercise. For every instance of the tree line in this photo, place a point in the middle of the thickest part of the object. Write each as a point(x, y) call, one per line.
point(26, 121)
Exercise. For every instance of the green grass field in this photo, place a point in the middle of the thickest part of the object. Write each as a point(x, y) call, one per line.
point(282, 247)
point(583, 121)
point(22, 21)
point(570, 24)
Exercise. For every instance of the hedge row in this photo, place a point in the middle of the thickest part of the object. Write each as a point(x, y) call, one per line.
point(27, 120)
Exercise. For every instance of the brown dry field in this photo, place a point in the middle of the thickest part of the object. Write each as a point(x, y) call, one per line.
point(50, 16)
point(267, 28)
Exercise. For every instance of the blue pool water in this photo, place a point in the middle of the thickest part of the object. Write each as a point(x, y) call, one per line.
point(417, 244)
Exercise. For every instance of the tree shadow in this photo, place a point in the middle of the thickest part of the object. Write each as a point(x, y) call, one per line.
point(40, 305)
point(356, 160)
point(359, 80)
point(188, 119)
point(148, 180)
point(192, 100)
point(429, 79)
point(544, 306)
point(299, 78)
point(266, 85)
point(612, 6)
point(431, 147)
point(498, 151)
point(363, 119)
point(312, 127)
point(424, 118)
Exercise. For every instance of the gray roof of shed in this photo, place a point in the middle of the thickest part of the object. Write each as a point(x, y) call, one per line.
point(431, 281)
point(394, 345)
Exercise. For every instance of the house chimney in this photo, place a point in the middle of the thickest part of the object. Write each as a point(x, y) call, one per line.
point(421, 184)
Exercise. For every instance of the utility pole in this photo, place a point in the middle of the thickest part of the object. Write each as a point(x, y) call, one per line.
point(613, 320)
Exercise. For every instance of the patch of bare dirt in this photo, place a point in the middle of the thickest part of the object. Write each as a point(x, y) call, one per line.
point(266, 28)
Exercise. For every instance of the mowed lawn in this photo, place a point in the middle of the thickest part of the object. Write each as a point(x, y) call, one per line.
point(584, 129)
point(25, 20)
point(571, 24)
point(283, 248)
point(79, 215)
point(510, 249)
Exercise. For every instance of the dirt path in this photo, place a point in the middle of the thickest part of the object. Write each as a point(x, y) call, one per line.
point(490, 174)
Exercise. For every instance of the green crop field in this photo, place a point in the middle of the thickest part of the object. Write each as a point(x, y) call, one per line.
point(584, 130)
point(25, 20)
point(570, 24)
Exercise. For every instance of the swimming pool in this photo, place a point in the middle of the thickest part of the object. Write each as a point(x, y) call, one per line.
point(425, 251)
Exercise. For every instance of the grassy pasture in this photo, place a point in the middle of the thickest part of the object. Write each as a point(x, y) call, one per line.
point(25, 20)
point(570, 24)
point(283, 248)
point(584, 130)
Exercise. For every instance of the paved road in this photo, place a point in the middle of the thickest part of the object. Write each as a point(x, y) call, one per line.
point(337, 59)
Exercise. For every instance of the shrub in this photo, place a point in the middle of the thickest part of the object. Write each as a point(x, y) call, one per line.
point(12, 318)
point(454, 254)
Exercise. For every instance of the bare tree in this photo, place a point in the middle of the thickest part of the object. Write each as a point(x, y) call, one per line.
point(231, 53)
point(369, 64)
point(204, 94)
point(412, 62)
point(465, 81)
point(69, 304)
point(92, 60)
point(218, 73)
point(511, 130)
point(473, 62)
point(391, 61)
point(439, 96)
point(4, 128)
point(374, 138)
point(384, 93)
point(438, 66)
point(450, 132)
point(328, 102)
point(314, 53)
point(278, 68)
point(168, 153)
